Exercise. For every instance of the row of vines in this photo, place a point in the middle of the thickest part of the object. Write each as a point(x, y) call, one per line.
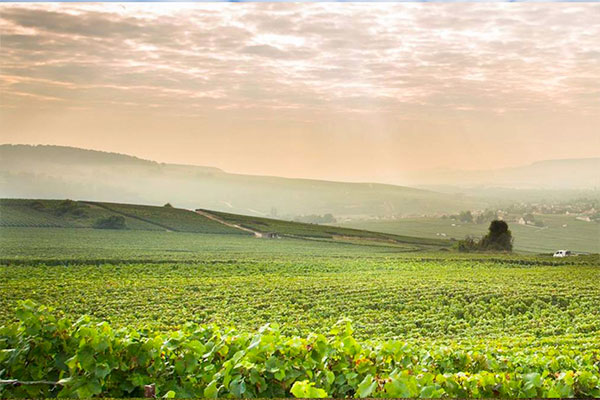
point(89, 358)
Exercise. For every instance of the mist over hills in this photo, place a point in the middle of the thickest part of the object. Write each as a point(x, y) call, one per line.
point(566, 174)
point(66, 172)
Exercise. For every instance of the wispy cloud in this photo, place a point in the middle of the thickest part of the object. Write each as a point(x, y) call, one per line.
point(466, 57)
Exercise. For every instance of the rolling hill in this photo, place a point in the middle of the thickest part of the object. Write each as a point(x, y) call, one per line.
point(304, 230)
point(55, 172)
point(85, 214)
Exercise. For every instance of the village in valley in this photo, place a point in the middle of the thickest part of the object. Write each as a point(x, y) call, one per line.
point(540, 226)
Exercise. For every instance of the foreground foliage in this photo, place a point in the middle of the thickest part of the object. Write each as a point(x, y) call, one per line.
point(427, 324)
point(87, 358)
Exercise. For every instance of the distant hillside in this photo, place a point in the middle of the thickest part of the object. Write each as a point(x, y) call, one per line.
point(24, 213)
point(65, 172)
point(571, 174)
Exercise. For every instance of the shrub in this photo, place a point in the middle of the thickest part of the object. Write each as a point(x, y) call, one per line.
point(70, 207)
point(112, 222)
point(467, 245)
point(37, 205)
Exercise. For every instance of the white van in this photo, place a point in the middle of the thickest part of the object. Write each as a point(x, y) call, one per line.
point(562, 253)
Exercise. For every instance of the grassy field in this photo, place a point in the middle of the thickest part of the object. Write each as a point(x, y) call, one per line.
point(188, 312)
point(576, 235)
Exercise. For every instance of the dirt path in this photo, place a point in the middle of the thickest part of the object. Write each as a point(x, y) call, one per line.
point(221, 221)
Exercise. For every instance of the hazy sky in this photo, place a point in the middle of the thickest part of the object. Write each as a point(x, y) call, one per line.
point(337, 91)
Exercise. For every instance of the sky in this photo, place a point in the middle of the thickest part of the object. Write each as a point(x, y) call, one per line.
point(325, 90)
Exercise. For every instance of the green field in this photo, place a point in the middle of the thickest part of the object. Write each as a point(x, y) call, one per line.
point(82, 214)
point(579, 236)
point(58, 245)
point(51, 213)
point(386, 295)
point(188, 311)
point(173, 219)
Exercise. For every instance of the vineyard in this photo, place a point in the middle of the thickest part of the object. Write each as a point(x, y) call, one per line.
point(170, 218)
point(211, 315)
point(321, 231)
point(80, 214)
point(385, 297)
point(87, 359)
point(22, 213)
point(57, 214)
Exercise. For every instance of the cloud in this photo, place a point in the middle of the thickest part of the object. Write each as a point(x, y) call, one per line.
point(265, 50)
point(483, 55)
point(394, 70)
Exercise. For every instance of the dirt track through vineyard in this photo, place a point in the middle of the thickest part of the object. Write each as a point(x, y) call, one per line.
point(232, 225)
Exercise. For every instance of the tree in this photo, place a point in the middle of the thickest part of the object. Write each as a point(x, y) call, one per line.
point(499, 237)
point(70, 207)
point(112, 222)
point(465, 216)
point(529, 217)
point(486, 216)
point(328, 219)
point(316, 219)
point(168, 205)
